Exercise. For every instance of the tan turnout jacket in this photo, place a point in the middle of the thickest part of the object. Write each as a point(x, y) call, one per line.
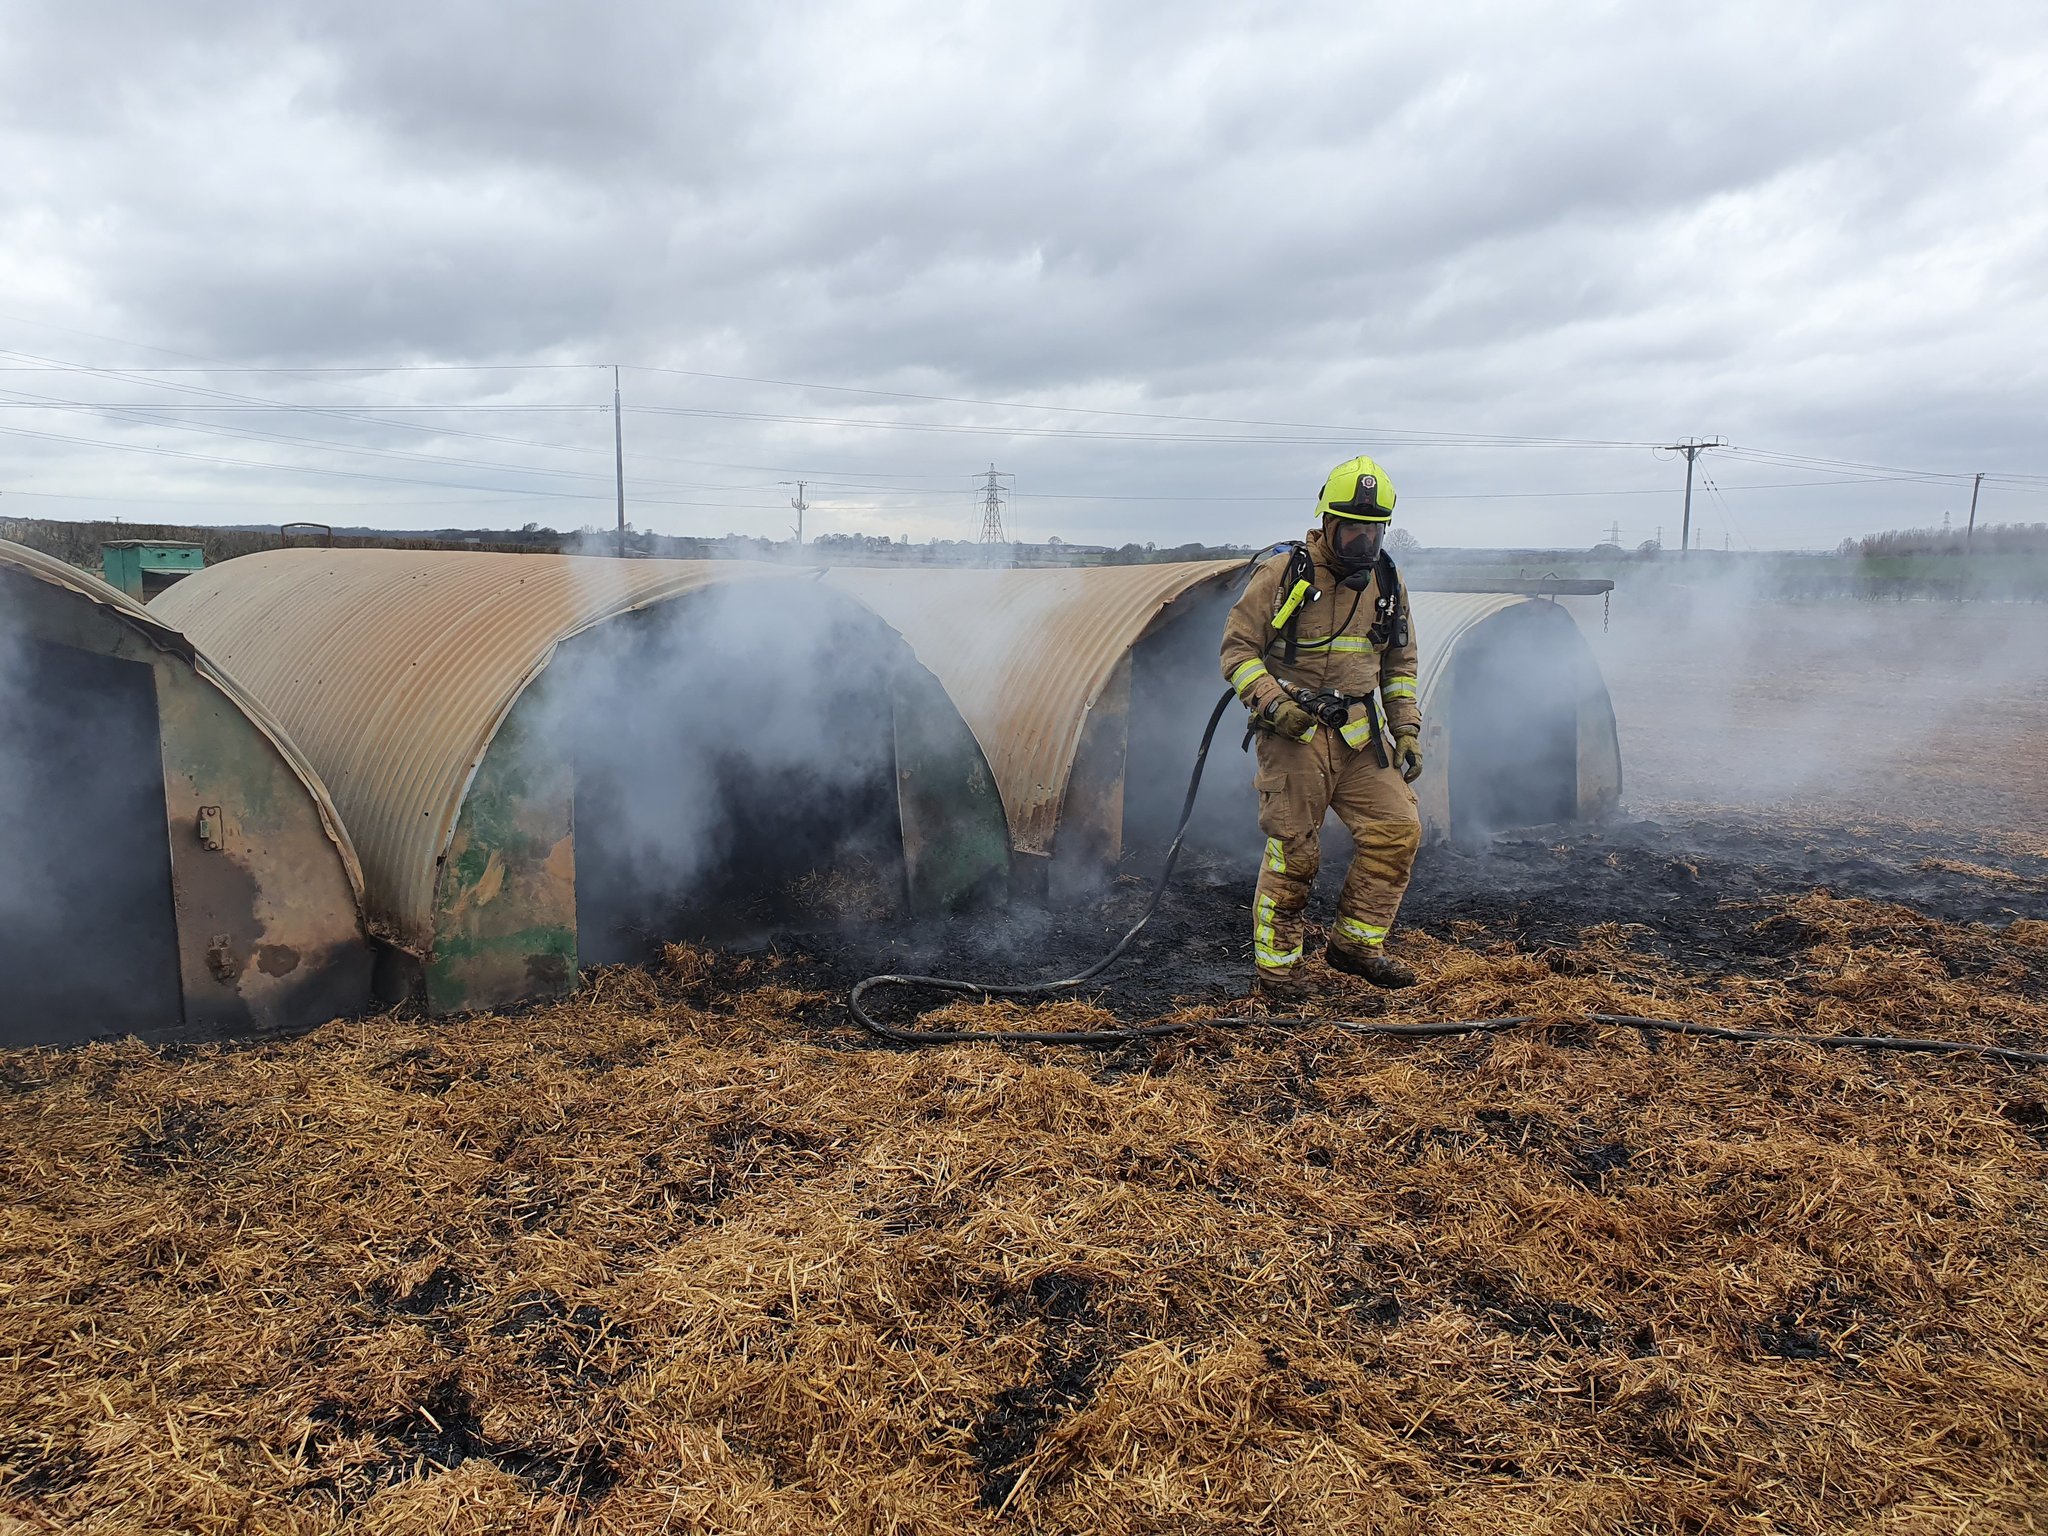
point(1333, 651)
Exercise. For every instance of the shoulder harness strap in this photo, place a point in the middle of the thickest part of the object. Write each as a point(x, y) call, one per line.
point(1390, 606)
point(1296, 588)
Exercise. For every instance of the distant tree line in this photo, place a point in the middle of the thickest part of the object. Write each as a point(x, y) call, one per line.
point(79, 543)
point(1991, 539)
point(1152, 554)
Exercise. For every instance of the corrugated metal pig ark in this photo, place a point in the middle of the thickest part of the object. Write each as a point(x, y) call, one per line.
point(169, 864)
point(550, 762)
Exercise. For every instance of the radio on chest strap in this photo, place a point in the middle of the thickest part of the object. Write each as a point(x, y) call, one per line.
point(1297, 590)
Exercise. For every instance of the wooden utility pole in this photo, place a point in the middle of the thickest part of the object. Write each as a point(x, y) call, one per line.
point(801, 506)
point(1692, 448)
point(1971, 532)
point(619, 459)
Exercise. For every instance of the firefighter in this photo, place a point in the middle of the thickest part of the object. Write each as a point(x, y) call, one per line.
point(1321, 651)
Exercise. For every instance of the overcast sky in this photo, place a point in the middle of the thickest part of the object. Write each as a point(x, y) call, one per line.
point(1274, 235)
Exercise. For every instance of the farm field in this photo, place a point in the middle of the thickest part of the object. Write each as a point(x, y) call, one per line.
point(687, 1251)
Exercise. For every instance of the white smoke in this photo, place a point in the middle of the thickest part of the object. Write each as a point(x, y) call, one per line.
point(734, 755)
point(1912, 711)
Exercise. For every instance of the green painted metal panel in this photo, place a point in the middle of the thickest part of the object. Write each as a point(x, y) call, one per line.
point(956, 840)
point(505, 898)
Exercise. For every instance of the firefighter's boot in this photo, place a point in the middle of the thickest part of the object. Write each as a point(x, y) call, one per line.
point(1279, 990)
point(1374, 964)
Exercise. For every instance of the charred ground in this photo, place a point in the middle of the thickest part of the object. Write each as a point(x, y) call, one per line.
point(1705, 893)
point(686, 1249)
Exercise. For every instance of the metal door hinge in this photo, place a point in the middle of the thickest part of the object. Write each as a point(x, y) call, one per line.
point(212, 830)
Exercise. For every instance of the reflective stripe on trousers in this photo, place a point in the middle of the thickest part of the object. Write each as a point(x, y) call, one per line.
point(1264, 946)
point(1369, 934)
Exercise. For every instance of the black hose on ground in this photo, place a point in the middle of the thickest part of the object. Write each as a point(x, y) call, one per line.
point(1428, 1029)
point(1121, 1036)
point(1831, 1042)
point(1916, 1043)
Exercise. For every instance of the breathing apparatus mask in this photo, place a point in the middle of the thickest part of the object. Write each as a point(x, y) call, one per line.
point(1354, 547)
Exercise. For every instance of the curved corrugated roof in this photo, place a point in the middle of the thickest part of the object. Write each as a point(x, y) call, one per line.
point(1441, 620)
point(394, 669)
point(166, 636)
point(1025, 654)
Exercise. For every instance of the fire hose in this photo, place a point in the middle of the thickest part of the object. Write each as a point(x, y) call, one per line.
point(1428, 1029)
point(1120, 1036)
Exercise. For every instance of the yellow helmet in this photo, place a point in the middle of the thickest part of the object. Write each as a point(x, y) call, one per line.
point(1360, 490)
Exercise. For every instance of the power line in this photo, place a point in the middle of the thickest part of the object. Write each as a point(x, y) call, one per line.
point(1420, 436)
point(1086, 433)
point(353, 474)
point(229, 397)
point(1796, 460)
point(289, 368)
point(265, 501)
point(353, 413)
point(1086, 410)
point(1423, 436)
point(1021, 495)
point(130, 414)
point(238, 401)
point(125, 412)
point(293, 469)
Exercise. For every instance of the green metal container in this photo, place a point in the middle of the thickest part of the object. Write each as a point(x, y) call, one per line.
point(144, 567)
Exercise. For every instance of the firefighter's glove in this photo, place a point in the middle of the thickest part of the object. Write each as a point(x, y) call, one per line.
point(1408, 755)
point(1289, 719)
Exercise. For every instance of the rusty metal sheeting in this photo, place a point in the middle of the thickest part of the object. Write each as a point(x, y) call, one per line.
point(49, 568)
point(394, 669)
point(1026, 654)
point(161, 631)
point(1441, 620)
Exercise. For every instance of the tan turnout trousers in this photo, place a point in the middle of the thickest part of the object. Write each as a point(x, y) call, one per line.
point(1298, 783)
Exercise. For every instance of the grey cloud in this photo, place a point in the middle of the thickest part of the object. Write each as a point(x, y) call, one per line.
point(1571, 219)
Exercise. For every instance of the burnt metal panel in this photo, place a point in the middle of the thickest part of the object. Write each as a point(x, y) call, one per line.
point(956, 848)
point(505, 907)
point(161, 631)
point(88, 926)
point(265, 887)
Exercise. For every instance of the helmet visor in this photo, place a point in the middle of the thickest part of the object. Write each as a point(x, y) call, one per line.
point(1363, 505)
